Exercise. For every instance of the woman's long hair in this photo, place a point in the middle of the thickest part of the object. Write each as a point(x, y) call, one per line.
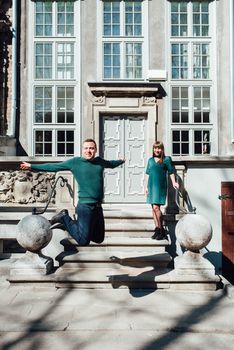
point(160, 145)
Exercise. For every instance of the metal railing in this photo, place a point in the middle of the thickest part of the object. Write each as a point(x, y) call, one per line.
point(63, 182)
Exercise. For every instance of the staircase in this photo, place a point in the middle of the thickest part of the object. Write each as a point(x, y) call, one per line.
point(127, 258)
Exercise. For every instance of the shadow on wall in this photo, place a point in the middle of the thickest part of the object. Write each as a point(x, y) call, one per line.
point(227, 269)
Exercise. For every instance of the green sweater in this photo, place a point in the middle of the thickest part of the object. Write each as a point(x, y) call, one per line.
point(88, 174)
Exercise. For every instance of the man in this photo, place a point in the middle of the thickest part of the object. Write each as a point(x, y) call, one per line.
point(88, 172)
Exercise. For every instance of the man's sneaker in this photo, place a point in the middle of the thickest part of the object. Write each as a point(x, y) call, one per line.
point(157, 232)
point(58, 225)
point(58, 218)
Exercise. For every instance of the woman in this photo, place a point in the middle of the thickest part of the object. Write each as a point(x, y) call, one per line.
point(158, 167)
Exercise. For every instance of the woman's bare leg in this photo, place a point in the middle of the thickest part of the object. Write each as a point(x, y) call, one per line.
point(157, 215)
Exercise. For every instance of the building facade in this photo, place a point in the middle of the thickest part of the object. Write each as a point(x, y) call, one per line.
point(127, 73)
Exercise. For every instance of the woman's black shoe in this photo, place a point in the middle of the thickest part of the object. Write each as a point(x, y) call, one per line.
point(157, 232)
point(162, 235)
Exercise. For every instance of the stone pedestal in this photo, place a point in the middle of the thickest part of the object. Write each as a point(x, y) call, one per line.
point(191, 263)
point(192, 270)
point(34, 234)
point(32, 264)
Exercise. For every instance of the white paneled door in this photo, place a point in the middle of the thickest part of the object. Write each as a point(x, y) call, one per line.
point(124, 137)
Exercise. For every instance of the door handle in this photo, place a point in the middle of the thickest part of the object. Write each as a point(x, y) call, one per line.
point(231, 233)
point(225, 196)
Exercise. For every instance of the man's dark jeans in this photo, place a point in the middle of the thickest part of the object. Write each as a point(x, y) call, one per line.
point(90, 225)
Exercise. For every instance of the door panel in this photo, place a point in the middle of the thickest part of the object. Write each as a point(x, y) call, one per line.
point(112, 148)
point(135, 155)
point(124, 136)
point(227, 196)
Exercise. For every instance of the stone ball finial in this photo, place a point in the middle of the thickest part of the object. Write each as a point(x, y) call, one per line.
point(34, 233)
point(193, 232)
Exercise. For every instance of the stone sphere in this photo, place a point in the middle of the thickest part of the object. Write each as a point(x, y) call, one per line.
point(193, 232)
point(34, 233)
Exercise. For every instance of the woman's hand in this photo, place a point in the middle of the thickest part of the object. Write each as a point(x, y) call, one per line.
point(175, 185)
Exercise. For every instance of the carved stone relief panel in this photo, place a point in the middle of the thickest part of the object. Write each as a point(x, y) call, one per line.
point(148, 101)
point(25, 187)
point(99, 100)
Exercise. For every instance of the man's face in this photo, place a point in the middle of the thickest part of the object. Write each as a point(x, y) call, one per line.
point(89, 150)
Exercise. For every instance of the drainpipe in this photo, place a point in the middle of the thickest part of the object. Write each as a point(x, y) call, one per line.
point(231, 65)
point(11, 130)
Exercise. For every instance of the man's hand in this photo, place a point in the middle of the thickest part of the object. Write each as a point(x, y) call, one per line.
point(25, 166)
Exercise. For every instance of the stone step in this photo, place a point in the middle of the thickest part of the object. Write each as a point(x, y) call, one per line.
point(129, 234)
point(126, 244)
point(113, 258)
point(6, 262)
point(114, 277)
point(118, 277)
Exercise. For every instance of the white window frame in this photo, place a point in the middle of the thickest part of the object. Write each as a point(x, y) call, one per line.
point(75, 82)
point(211, 82)
point(122, 39)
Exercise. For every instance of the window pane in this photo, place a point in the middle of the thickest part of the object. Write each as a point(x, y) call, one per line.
point(184, 117)
point(43, 142)
point(43, 105)
point(179, 18)
point(133, 18)
point(65, 18)
point(65, 61)
point(201, 18)
point(43, 18)
point(201, 61)
point(111, 18)
point(65, 142)
point(65, 105)
point(180, 105)
point(202, 142)
point(43, 61)
point(111, 60)
point(180, 142)
point(133, 60)
point(201, 105)
point(175, 117)
point(179, 61)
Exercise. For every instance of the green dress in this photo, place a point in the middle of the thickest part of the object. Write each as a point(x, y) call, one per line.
point(157, 182)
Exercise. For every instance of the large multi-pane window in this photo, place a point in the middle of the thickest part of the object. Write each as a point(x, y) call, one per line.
point(199, 65)
point(49, 142)
point(180, 13)
point(54, 76)
point(190, 120)
point(44, 18)
point(191, 78)
point(122, 38)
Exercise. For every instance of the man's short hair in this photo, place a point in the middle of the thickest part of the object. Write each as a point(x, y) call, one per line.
point(90, 140)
